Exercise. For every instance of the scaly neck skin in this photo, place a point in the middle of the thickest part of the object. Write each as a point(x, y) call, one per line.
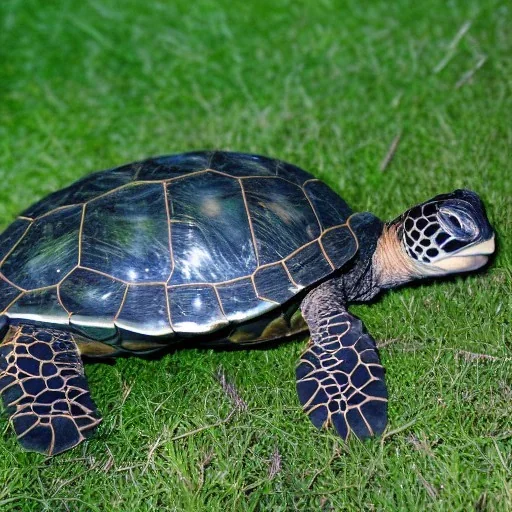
point(356, 284)
point(390, 263)
point(381, 263)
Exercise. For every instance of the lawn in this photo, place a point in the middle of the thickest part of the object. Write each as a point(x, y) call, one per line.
point(328, 86)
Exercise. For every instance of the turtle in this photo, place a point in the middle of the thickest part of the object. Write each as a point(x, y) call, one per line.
point(210, 248)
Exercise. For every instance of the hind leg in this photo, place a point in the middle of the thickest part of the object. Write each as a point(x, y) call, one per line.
point(44, 389)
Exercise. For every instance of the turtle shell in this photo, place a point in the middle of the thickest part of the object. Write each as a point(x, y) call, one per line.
point(179, 244)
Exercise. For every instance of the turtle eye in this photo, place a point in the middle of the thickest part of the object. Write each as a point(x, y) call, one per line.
point(457, 223)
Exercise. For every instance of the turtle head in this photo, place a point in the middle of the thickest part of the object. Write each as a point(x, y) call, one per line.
point(450, 233)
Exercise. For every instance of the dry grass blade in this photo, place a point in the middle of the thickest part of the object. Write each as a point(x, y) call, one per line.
point(151, 453)
point(202, 467)
point(472, 356)
point(506, 466)
point(391, 433)
point(232, 393)
point(110, 462)
point(335, 454)
point(459, 35)
point(452, 47)
point(230, 390)
point(386, 343)
point(127, 389)
point(481, 504)
point(431, 490)
point(206, 427)
point(504, 435)
point(275, 464)
point(391, 152)
point(466, 77)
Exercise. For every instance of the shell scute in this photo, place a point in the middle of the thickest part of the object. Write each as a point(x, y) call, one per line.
point(195, 309)
point(126, 234)
point(240, 302)
point(173, 166)
point(83, 190)
point(7, 294)
point(47, 252)
point(339, 244)
point(308, 265)
point(92, 299)
point(281, 216)
point(292, 173)
point(40, 305)
point(242, 165)
point(273, 283)
point(144, 310)
point(330, 208)
point(12, 235)
point(210, 231)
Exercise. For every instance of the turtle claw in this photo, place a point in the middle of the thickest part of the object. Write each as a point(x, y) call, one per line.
point(45, 391)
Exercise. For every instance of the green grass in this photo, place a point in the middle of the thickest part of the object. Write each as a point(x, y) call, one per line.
point(326, 85)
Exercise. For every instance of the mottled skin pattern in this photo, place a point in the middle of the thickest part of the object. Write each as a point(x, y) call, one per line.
point(340, 380)
point(216, 248)
point(45, 390)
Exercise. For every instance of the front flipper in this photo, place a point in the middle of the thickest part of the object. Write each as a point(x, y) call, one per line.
point(44, 389)
point(340, 380)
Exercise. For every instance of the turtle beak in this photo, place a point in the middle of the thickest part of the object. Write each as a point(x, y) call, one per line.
point(470, 258)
